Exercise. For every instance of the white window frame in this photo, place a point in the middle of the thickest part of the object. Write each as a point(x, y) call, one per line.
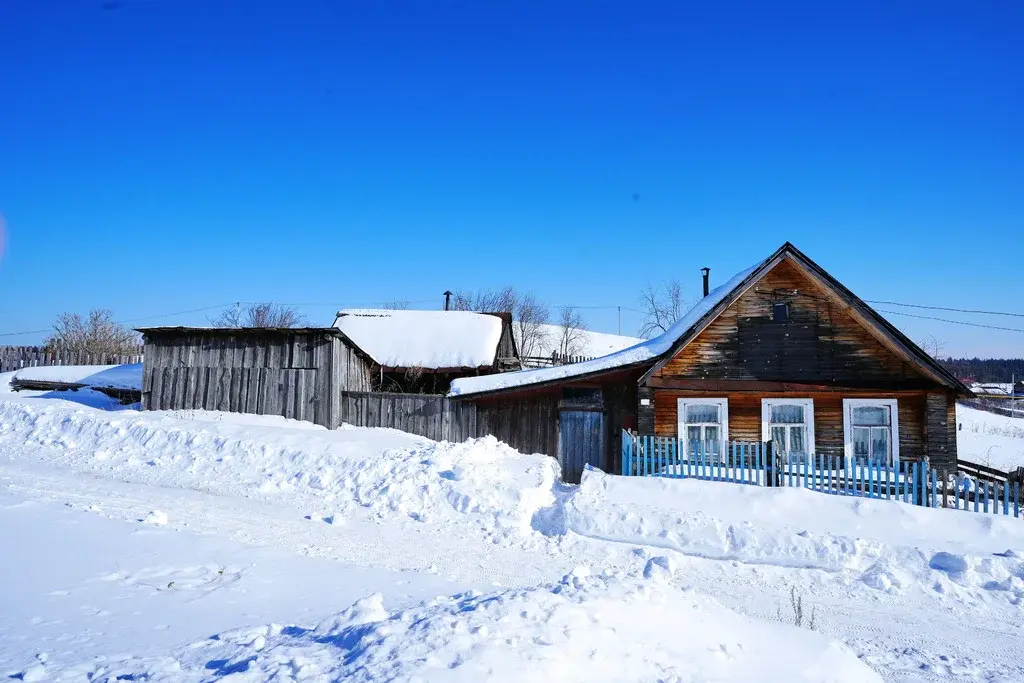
point(766, 418)
point(723, 414)
point(894, 417)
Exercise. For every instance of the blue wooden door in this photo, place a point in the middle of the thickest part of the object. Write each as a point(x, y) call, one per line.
point(580, 442)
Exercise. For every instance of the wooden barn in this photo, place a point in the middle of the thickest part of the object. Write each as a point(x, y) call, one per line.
point(293, 372)
point(780, 352)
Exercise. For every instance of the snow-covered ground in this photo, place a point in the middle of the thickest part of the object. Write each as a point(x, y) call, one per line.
point(989, 439)
point(202, 546)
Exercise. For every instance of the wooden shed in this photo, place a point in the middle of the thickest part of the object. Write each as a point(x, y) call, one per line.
point(293, 372)
point(781, 352)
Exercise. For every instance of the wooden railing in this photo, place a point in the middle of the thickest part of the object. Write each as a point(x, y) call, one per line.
point(990, 474)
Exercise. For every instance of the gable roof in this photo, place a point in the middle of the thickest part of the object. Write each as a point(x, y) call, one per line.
point(433, 340)
point(654, 353)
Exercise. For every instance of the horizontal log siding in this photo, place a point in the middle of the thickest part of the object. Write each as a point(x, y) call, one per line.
point(820, 343)
point(745, 417)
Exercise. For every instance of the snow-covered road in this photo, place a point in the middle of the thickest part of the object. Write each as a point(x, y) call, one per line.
point(270, 522)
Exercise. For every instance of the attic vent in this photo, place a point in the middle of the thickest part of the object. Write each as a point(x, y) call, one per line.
point(780, 312)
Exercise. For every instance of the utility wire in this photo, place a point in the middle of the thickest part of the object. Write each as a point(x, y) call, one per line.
point(624, 308)
point(955, 322)
point(941, 308)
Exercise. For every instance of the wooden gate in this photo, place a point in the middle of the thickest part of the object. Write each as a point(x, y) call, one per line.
point(580, 441)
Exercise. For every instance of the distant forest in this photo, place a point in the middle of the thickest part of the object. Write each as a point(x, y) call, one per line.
point(985, 369)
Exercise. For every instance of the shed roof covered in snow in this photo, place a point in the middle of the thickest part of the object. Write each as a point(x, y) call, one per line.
point(432, 340)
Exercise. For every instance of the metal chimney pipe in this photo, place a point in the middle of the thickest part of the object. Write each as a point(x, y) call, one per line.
point(447, 299)
point(706, 272)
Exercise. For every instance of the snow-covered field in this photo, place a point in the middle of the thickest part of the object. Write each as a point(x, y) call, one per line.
point(194, 546)
point(990, 439)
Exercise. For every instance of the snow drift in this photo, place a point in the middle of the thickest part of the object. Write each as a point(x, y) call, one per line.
point(585, 628)
point(889, 546)
point(354, 470)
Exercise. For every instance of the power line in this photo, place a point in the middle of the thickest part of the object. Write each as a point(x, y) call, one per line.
point(955, 322)
point(168, 315)
point(196, 310)
point(941, 308)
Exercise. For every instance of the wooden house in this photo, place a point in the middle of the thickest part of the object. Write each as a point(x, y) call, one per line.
point(780, 352)
point(423, 351)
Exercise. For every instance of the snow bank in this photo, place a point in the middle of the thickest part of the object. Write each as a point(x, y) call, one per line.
point(990, 439)
point(889, 546)
point(585, 628)
point(423, 339)
point(385, 472)
point(108, 376)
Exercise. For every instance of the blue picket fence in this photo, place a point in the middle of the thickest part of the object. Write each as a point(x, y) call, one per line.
point(757, 464)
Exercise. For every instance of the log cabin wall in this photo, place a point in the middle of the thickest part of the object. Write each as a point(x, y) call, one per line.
point(818, 351)
point(745, 417)
point(818, 342)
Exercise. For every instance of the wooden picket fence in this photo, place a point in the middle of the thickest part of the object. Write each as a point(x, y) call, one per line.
point(18, 357)
point(757, 464)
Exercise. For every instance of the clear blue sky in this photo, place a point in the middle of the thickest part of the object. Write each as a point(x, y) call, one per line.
point(164, 155)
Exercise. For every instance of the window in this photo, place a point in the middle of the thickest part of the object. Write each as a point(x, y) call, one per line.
point(789, 424)
point(780, 312)
point(871, 429)
point(704, 425)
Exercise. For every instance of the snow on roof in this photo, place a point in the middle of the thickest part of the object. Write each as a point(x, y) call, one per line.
point(107, 376)
point(644, 351)
point(423, 339)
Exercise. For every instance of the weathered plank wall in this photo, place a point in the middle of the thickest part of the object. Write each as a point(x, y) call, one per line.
point(17, 357)
point(820, 342)
point(527, 423)
point(745, 417)
point(296, 375)
point(435, 417)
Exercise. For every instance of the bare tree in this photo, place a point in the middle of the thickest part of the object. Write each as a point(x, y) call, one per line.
point(529, 314)
point(396, 305)
point(932, 345)
point(573, 337)
point(265, 314)
point(97, 333)
point(662, 305)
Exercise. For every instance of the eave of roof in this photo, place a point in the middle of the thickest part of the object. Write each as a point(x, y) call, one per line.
point(239, 330)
